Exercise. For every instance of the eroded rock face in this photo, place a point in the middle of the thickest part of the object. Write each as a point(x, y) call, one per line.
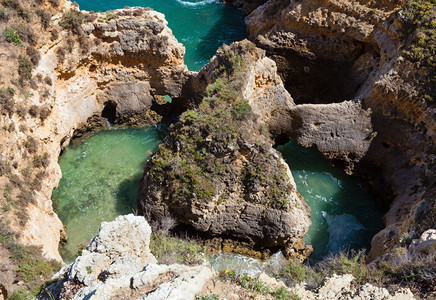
point(112, 69)
point(217, 171)
point(118, 264)
point(341, 131)
point(342, 287)
point(330, 51)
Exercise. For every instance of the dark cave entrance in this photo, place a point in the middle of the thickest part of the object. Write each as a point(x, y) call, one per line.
point(322, 78)
point(110, 111)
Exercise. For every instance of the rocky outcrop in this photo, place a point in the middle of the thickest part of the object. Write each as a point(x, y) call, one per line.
point(118, 264)
point(112, 66)
point(217, 171)
point(330, 51)
point(426, 244)
point(341, 287)
point(341, 131)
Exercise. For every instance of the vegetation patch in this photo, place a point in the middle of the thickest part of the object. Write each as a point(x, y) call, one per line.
point(24, 68)
point(72, 20)
point(11, 36)
point(218, 147)
point(420, 15)
point(31, 268)
point(169, 250)
point(256, 286)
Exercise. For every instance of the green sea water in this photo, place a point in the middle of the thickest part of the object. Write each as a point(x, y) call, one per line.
point(200, 25)
point(344, 215)
point(100, 179)
point(101, 175)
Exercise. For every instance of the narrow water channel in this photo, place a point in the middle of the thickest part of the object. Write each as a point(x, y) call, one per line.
point(101, 175)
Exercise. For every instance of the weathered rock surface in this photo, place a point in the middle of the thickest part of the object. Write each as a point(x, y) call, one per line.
point(329, 51)
point(339, 130)
point(426, 243)
point(107, 68)
point(118, 264)
point(341, 287)
point(217, 170)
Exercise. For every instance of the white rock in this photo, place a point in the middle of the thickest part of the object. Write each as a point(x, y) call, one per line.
point(427, 242)
point(118, 263)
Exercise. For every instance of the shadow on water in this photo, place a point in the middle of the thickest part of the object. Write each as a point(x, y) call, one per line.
point(126, 195)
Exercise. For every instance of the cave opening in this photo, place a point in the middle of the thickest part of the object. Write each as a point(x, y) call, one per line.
point(326, 77)
point(109, 111)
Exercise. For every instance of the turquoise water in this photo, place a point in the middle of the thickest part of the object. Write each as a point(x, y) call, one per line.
point(344, 216)
point(100, 179)
point(200, 25)
point(101, 176)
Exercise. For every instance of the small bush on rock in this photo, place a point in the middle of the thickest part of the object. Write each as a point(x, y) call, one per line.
point(72, 20)
point(24, 69)
point(34, 55)
point(11, 36)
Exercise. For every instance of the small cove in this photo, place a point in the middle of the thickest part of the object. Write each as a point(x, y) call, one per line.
point(100, 179)
point(344, 215)
point(101, 175)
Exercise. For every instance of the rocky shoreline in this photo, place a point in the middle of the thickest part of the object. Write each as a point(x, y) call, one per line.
point(357, 92)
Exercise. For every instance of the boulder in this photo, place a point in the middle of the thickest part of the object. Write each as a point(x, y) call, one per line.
point(427, 242)
point(118, 264)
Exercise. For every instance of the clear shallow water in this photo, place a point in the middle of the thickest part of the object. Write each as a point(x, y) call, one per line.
point(100, 179)
point(344, 216)
point(101, 176)
point(200, 25)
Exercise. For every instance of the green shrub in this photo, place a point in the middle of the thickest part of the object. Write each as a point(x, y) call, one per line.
point(241, 110)
point(72, 20)
point(20, 294)
point(4, 14)
point(26, 33)
point(283, 294)
point(170, 250)
point(31, 265)
point(209, 297)
point(11, 36)
point(29, 259)
point(295, 273)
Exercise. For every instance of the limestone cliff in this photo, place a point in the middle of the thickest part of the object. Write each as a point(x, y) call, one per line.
point(112, 65)
point(379, 56)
